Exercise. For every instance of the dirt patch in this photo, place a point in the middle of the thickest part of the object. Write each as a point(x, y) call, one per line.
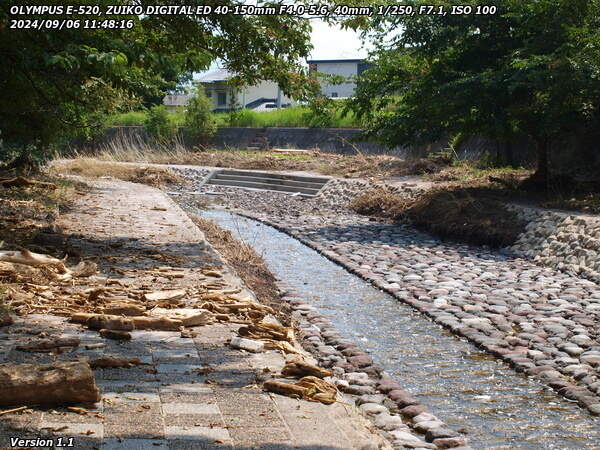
point(29, 210)
point(93, 168)
point(248, 264)
point(466, 216)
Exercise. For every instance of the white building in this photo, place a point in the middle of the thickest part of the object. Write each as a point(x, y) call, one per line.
point(225, 97)
point(349, 69)
point(176, 101)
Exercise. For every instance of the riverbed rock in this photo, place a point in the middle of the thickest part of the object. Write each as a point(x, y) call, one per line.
point(402, 398)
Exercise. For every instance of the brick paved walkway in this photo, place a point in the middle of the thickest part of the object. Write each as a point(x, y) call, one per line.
point(195, 392)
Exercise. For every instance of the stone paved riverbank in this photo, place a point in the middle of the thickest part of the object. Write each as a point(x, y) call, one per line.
point(542, 321)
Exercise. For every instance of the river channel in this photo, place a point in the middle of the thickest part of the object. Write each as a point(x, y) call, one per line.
point(466, 388)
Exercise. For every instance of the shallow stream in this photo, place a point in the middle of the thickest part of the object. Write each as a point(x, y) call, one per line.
point(468, 389)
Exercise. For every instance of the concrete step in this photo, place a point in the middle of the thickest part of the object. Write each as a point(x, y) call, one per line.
point(306, 186)
point(281, 176)
point(264, 186)
point(265, 180)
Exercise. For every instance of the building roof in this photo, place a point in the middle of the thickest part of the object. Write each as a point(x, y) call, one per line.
point(176, 99)
point(320, 61)
point(215, 76)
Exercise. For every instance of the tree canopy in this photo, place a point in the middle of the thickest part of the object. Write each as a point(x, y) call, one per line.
point(57, 82)
point(532, 69)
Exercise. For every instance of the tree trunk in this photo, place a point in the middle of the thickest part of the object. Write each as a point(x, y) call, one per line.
point(542, 147)
point(538, 182)
point(65, 383)
point(510, 158)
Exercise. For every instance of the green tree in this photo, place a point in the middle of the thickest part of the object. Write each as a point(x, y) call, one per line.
point(199, 120)
point(60, 82)
point(159, 125)
point(531, 69)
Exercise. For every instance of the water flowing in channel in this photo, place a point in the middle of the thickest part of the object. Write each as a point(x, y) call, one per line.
point(465, 387)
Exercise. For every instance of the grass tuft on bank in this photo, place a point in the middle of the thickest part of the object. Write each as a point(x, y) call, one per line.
point(248, 264)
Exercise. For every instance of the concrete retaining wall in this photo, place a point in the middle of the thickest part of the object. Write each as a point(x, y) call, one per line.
point(347, 141)
point(334, 140)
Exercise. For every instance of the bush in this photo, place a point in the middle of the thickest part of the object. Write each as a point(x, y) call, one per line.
point(199, 120)
point(322, 112)
point(159, 126)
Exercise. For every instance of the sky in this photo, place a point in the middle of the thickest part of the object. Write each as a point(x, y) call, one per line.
point(329, 42)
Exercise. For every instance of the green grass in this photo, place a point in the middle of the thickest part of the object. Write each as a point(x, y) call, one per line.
point(297, 116)
point(134, 118)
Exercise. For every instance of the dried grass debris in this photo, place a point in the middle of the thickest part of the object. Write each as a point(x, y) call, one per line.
point(308, 388)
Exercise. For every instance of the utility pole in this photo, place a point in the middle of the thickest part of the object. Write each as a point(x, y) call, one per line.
point(278, 97)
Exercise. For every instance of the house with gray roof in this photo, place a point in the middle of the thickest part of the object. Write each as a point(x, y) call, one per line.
point(225, 97)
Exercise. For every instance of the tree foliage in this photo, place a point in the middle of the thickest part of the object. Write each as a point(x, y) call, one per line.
point(532, 69)
point(199, 120)
point(159, 125)
point(59, 82)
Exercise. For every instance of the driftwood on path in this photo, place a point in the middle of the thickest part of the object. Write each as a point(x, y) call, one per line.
point(46, 345)
point(65, 383)
point(24, 182)
point(32, 259)
point(25, 257)
point(308, 388)
point(298, 367)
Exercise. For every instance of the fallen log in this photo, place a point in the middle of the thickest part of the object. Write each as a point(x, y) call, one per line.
point(13, 410)
point(110, 322)
point(64, 383)
point(81, 317)
point(284, 346)
point(299, 368)
point(115, 334)
point(45, 345)
point(287, 389)
point(202, 318)
point(156, 323)
point(114, 362)
point(124, 309)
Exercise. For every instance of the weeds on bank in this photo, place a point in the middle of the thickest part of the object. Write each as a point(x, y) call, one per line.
point(462, 214)
point(381, 201)
point(465, 172)
point(93, 168)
